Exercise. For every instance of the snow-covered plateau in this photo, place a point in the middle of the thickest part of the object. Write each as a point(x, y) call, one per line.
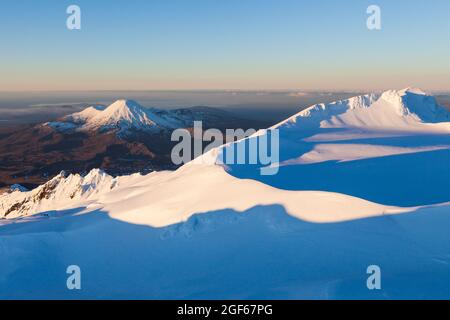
point(361, 182)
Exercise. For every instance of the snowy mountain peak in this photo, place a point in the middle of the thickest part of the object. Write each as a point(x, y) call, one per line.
point(415, 103)
point(396, 109)
point(414, 91)
point(123, 108)
point(395, 95)
point(122, 115)
point(60, 190)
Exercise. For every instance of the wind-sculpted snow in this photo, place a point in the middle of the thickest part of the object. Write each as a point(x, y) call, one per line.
point(362, 181)
point(391, 149)
point(262, 253)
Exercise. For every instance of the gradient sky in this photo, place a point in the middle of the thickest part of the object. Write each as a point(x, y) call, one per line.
point(233, 44)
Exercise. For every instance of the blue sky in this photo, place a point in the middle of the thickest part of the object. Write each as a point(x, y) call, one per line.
point(244, 44)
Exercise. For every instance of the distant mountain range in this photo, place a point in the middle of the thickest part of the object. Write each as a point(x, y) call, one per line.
point(121, 138)
point(127, 117)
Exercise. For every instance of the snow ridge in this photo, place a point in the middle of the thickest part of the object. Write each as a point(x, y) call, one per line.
point(58, 192)
point(394, 109)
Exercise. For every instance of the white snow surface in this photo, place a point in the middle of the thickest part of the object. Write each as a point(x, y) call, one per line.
point(362, 181)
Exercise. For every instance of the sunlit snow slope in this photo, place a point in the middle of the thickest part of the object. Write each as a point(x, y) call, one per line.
point(360, 182)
